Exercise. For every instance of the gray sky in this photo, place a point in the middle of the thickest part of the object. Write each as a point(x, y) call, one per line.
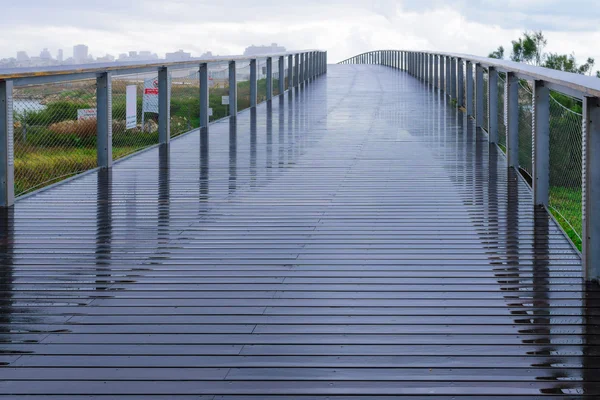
point(344, 28)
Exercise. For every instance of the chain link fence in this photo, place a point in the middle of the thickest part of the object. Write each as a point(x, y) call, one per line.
point(275, 77)
point(243, 85)
point(501, 112)
point(144, 133)
point(185, 101)
point(525, 129)
point(566, 123)
point(218, 78)
point(486, 120)
point(262, 80)
point(54, 132)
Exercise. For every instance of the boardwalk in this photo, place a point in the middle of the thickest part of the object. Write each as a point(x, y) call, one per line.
point(356, 237)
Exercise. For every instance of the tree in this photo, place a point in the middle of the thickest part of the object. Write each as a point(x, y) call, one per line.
point(561, 62)
point(587, 68)
point(529, 48)
point(499, 53)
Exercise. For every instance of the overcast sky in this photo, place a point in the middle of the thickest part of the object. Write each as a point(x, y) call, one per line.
point(343, 27)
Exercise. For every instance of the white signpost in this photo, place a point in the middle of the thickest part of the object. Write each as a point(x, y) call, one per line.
point(225, 100)
point(149, 98)
point(131, 107)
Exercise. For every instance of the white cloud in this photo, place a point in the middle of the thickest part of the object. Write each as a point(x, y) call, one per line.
point(344, 28)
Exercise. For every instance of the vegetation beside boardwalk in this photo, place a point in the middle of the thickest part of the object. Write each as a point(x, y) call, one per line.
point(51, 144)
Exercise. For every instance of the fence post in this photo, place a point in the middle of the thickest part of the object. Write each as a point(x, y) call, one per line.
point(269, 78)
point(492, 105)
point(436, 71)
point(7, 164)
point(253, 83)
point(541, 143)
point(232, 89)
point(469, 97)
point(281, 75)
point(296, 70)
point(164, 106)
point(511, 100)
point(453, 63)
point(591, 188)
point(479, 95)
point(104, 118)
point(442, 73)
point(204, 118)
point(460, 77)
point(431, 68)
point(290, 71)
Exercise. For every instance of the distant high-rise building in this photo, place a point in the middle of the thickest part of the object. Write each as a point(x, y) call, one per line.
point(80, 53)
point(257, 50)
point(22, 56)
point(178, 56)
point(60, 55)
point(45, 55)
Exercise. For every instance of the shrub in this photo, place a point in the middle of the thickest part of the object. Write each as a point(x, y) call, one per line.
point(83, 128)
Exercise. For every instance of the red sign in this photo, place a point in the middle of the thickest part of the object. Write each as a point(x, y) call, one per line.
point(150, 91)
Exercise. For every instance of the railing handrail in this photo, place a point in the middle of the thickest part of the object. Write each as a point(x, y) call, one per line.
point(461, 78)
point(568, 82)
point(128, 67)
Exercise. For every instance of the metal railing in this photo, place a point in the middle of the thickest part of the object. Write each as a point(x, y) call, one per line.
point(546, 121)
point(57, 122)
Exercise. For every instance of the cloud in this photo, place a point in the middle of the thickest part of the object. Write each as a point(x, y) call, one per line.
point(344, 28)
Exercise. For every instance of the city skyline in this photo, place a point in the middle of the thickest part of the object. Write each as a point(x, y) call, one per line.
point(81, 54)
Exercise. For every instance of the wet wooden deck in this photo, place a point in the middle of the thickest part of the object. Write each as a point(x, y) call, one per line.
point(354, 239)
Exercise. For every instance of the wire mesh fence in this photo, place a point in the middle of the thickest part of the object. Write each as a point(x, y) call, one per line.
point(525, 129)
point(262, 80)
point(243, 85)
point(275, 77)
point(486, 119)
point(218, 78)
point(566, 123)
point(144, 133)
point(54, 132)
point(501, 112)
point(185, 101)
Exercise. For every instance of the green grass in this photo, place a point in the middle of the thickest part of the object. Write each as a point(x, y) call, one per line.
point(566, 208)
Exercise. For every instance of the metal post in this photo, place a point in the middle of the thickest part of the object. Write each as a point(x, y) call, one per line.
point(204, 117)
point(296, 69)
point(232, 89)
point(269, 78)
point(436, 71)
point(7, 165)
point(281, 75)
point(511, 111)
point(591, 188)
point(469, 97)
point(453, 63)
point(253, 83)
point(448, 63)
point(460, 76)
point(164, 106)
point(104, 118)
point(290, 71)
point(430, 73)
point(442, 73)
point(493, 105)
point(541, 143)
point(479, 95)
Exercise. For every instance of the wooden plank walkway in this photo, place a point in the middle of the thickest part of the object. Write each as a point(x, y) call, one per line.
point(355, 239)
